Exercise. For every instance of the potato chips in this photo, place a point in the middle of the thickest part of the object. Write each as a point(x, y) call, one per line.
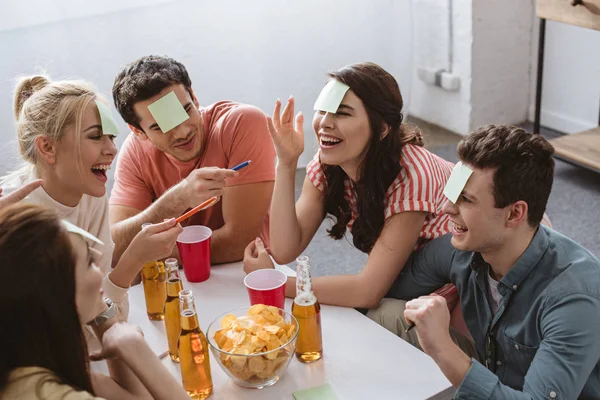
point(262, 331)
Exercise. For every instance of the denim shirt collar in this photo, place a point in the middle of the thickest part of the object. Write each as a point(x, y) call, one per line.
point(524, 265)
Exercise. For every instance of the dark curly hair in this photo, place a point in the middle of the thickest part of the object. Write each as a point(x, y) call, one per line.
point(380, 94)
point(513, 152)
point(144, 78)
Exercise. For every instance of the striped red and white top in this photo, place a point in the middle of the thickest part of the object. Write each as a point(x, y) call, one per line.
point(418, 187)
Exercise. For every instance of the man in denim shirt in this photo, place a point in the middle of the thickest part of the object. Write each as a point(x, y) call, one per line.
point(530, 296)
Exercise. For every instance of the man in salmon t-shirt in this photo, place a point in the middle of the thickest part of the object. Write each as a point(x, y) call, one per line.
point(180, 154)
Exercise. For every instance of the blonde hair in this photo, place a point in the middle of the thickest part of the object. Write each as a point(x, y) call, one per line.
point(43, 107)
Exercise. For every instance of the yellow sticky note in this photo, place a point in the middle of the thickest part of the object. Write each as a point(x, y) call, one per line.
point(331, 96)
point(168, 112)
point(457, 181)
point(109, 126)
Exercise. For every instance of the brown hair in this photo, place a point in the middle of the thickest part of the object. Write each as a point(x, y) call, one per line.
point(40, 323)
point(523, 163)
point(380, 94)
point(144, 78)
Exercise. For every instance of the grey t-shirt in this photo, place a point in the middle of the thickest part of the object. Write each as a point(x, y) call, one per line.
point(493, 295)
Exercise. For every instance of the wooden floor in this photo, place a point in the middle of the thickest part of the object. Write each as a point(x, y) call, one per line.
point(580, 148)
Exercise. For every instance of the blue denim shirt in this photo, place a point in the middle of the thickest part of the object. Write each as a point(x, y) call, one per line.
point(544, 341)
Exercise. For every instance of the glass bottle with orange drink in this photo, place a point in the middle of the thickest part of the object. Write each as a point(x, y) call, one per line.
point(154, 279)
point(172, 312)
point(306, 309)
point(193, 351)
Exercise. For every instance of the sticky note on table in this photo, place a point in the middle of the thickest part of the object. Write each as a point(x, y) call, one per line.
point(168, 112)
point(457, 181)
point(82, 232)
point(331, 96)
point(323, 392)
point(109, 126)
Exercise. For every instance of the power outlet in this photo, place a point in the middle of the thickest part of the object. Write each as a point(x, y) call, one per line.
point(439, 78)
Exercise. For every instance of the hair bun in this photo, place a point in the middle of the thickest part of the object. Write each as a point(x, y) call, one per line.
point(411, 134)
point(26, 87)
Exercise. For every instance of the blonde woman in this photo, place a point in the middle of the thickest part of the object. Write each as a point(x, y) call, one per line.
point(61, 139)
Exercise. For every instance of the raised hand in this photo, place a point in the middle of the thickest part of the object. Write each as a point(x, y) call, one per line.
point(288, 141)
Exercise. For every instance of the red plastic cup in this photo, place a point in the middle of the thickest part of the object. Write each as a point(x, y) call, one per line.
point(194, 248)
point(266, 286)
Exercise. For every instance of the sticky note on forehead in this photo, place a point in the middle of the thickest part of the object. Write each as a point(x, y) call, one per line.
point(331, 96)
point(168, 112)
point(457, 181)
point(77, 230)
point(323, 392)
point(109, 126)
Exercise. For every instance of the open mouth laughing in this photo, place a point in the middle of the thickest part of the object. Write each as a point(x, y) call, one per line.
point(328, 141)
point(458, 229)
point(99, 170)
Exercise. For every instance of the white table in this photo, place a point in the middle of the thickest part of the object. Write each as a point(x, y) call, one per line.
point(361, 360)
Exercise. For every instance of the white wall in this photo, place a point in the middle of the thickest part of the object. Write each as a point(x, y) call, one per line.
point(451, 110)
point(502, 32)
point(491, 45)
point(571, 86)
point(36, 12)
point(246, 51)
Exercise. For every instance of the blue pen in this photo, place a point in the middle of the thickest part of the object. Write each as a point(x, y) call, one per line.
point(242, 165)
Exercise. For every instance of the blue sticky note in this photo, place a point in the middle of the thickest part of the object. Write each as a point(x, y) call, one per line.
point(168, 112)
point(457, 181)
point(331, 96)
point(323, 392)
point(109, 126)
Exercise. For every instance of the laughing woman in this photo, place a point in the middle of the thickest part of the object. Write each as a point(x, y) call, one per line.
point(370, 175)
point(61, 138)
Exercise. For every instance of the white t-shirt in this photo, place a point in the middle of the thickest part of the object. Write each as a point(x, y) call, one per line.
point(91, 214)
point(494, 296)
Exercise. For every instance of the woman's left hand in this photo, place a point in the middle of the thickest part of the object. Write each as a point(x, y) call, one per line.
point(256, 257)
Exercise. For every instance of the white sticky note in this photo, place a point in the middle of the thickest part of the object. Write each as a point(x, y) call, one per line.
point(109, 127)
point(457, 181)
point(331, 96)
point(75, 229)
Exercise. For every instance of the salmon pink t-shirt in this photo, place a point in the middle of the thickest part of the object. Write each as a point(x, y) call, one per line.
point(233, 133)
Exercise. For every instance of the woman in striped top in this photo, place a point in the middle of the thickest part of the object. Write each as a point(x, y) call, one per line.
point(370, 176)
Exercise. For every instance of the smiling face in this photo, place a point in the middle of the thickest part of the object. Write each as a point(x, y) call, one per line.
point(477, 224)
point(88, 279)
point(82, 159)
point(184, 142)
point(344, 136)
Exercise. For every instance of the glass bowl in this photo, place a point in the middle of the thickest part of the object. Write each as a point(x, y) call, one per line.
point(254, 370)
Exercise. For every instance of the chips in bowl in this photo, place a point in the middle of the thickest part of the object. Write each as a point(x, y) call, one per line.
point(254, 345)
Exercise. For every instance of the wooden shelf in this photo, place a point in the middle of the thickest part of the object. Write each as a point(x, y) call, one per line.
point(585, 14)
point(580, 148)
